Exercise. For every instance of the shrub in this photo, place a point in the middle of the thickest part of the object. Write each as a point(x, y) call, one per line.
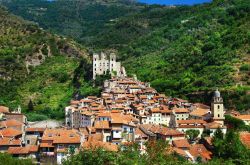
point(245, 67)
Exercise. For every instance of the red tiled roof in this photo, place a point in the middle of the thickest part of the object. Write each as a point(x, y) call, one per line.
point(243, 117)
point(4, 109)
point(102, 125)
point(10, 123)
point(10, 142)
point(46, 145)
point(245, 139)
point(181, 110)
point(10, 132)
point(199, 112)
point(197, 150)
point(99, 144)
point(18, 150)
point(61, 136)
point(35, 129)
point(191, 121)
point(182, 143)
point(23, 150)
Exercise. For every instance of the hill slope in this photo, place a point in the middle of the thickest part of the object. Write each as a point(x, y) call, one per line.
point(185, 50)
point(79, 19)
point(37, 66)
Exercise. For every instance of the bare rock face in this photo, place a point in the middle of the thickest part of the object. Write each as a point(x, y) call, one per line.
point(36, 58)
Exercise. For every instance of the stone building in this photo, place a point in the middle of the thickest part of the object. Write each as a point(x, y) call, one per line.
point(103, 63)
point(217, 108)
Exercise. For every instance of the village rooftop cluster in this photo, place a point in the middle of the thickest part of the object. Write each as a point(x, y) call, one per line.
point(128, 111)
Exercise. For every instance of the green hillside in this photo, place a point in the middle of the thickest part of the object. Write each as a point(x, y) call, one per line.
point(37, 67)
point(79, 19)
point(184, 51)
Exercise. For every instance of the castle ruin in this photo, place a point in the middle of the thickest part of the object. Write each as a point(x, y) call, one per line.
point(103, 63)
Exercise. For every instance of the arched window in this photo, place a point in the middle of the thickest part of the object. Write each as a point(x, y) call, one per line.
point(218, 106)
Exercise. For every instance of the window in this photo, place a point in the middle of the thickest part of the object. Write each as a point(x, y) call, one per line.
point(28, 141)
point(60, 146)
point(218, 115)
point(218, 106)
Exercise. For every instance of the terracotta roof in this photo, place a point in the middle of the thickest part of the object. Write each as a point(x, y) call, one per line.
point(18, 150)
point(104, 114)
point(181, 152)
point(74, 102)
point(96, 137)
point(99, 144)
point(10, 123)
point(197, 150)
point(10, 132)
point(139, 133)
point(181, 110)
point(10, 142)
point(155, 110)
point(143, 97)
point(123, 119)
point(199, 112)
point(86, 100)
point(245, 139)
point(161, 130)
point(61, 136)
point(191, 121)
point(170, 132)
point(102, 125)
point(35, 129)
point(4, 109)
point(214, 125)
point(209, 140)
point(202, 106)
point(92, 97)
point(23, 150)
point(243, 117)
point(33, 148)
point(46, 145)
point(182, 143)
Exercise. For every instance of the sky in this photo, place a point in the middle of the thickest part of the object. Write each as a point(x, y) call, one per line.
point(174, 2)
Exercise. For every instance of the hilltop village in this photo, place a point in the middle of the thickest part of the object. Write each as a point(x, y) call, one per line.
point(128, 111)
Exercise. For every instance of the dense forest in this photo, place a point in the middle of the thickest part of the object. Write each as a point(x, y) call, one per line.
point(184, 51)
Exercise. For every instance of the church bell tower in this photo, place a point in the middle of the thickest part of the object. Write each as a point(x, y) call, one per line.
point(217, 108)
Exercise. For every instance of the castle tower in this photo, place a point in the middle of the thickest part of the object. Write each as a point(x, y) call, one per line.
point(112, 62)
point(217, 108)
point(95, 65)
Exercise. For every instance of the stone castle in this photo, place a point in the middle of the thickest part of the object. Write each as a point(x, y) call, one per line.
point(103, 63)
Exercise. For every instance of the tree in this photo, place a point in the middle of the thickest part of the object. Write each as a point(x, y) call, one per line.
point(192, 134)
point(6, 159)
point(235, 123)
point(218, 142)
point(30, 106)
point(230, 147)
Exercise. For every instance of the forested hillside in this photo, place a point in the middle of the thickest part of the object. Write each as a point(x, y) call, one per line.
point(183, 51)
point(38, 68)
point(79, 19)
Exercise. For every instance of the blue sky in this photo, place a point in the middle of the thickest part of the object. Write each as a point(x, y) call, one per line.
point(174, 2)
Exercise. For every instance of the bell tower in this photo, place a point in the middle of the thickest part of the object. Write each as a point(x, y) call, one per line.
point(217, 108)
